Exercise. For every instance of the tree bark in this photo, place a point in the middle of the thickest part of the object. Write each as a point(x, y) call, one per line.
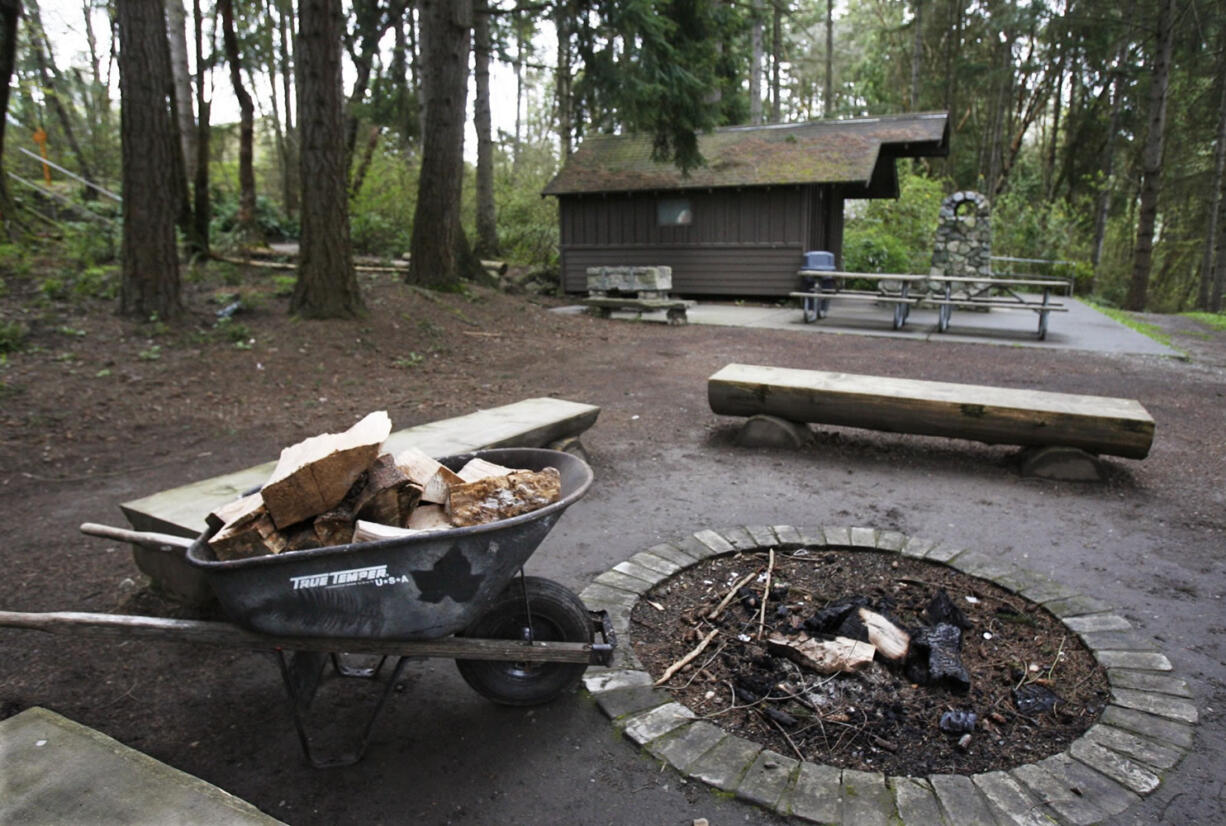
point(1212, 245)
point(201, 206)
point(327, 284)
point(776, 59)
point(828, 103)
point(1151, 186)
point(438, 248)
point(285, 39)
point(10, 13)
point(755, 65)
point(248, 227)
point(487, 219)
point(150, 282)
point(917, 50)
point(176, 20)
point(562, 89)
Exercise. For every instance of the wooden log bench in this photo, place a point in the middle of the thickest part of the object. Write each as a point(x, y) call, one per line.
point(181, 511)
point(993, 415)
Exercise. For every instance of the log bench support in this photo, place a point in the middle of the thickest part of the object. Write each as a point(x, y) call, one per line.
point(1050, 425)
point(181, 511)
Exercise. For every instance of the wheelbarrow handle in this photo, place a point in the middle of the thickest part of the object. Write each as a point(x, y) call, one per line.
point(147, 539)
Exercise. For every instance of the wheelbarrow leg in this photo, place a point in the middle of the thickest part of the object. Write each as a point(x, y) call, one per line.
point(302, 675)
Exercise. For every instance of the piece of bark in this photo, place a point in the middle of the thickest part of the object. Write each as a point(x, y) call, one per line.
point(891, 642)
point(233, 513)
point(334, 527)
point(434, 478)
point(253, 537)
point(840, 655)
point(301, 537)
point(501, 497)
point(388, 496)
point(478, 469)
point(313, 476)
point(429, 518)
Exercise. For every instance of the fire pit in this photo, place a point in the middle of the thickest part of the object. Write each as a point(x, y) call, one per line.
point(984, 690)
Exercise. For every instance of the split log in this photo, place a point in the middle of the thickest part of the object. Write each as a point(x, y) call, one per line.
point(389, 495)
point(313, 476)
point(478, 469)
point(334, 527)
point(233, 514)
point(364, 531)
point(251, 537)
point(435, 479)
point(429, 518)
point(501, 497)
point(891, 642)
point(839, 655)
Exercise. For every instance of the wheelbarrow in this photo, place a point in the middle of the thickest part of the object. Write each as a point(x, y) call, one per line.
point(459, 594)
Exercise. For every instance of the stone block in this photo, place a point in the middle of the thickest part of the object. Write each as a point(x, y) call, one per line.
point(817, 794)
point(1150, 752)
point(915, 802)
point(684, 745)
point(767, 779)
point(648, 725)
point(725, 764)
point(960, 799)
point(866, 799)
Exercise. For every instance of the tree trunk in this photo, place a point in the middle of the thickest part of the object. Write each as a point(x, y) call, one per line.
point(562, 23)
point(828, 103)
point(201, 208)
point(487, 226)
point(1204, 294)
point(49, 77)
point(438, 239)
point(285, 39)
point(248, 227)
point(917, 51)
point(519, 97)
point(776, 59)
point(150, 282)
point(1151, 186)
point(176, 20)
point(755, 65)
point(10, 13)
point(327, 284)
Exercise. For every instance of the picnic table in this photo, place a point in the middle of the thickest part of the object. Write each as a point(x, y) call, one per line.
point(905, 290)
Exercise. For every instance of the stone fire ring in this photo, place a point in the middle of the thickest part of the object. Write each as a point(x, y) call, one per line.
point(1143, 733)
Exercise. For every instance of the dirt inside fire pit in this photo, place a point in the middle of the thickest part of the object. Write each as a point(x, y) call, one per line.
point(880, 717)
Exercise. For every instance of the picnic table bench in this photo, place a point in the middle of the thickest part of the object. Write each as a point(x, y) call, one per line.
point(902, 291)
point(181, 511)
point(675, 308)
point(993, 415)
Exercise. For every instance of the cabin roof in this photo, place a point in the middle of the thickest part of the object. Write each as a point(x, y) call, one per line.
point(853, 152)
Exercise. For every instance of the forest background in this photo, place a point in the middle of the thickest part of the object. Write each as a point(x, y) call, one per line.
point(1097, 129)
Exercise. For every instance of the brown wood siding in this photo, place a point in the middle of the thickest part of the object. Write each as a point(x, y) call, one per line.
point(741, 242)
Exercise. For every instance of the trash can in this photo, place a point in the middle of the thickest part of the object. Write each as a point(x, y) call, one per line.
point(817, 261)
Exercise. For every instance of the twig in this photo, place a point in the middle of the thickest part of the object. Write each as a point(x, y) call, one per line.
point(731, 594)
point(1056, 659)
point(787, 737)
point(699, 670)
point(681, 663)
point(770, 569)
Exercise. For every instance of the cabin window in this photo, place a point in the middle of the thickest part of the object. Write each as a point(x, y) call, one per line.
point(674, 212)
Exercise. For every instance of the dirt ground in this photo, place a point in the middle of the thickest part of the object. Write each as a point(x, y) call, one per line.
point(97, 411)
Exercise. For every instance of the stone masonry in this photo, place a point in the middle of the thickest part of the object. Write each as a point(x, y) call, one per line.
point(963, 244)
point(1141, 735)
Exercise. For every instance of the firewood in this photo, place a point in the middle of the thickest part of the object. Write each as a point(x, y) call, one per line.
point(388, 496)
point(234, 513)
point(252, 537)
point(314, 475)
point(501, 497)
point(301, 537)
point(334, 527)
point(365, 531)
point(435, 479)
point(839, 655)
point(429, 518)
point(478, 469)
point(891, 642)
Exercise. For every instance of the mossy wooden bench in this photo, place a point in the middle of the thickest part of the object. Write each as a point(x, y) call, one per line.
point(181, 511)
point(993, 415)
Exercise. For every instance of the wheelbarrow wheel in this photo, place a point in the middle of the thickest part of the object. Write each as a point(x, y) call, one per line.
point(558, 615)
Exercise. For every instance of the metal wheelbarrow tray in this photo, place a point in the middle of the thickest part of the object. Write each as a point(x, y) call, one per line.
point(453, 593)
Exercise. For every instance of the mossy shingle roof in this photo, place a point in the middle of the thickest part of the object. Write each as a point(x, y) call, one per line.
point(821, 152)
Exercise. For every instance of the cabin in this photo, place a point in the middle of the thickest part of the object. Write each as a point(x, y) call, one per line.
point(740, 224)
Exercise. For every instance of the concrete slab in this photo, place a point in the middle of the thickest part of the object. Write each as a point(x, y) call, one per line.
point(53, 770)
point(1081, 328)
